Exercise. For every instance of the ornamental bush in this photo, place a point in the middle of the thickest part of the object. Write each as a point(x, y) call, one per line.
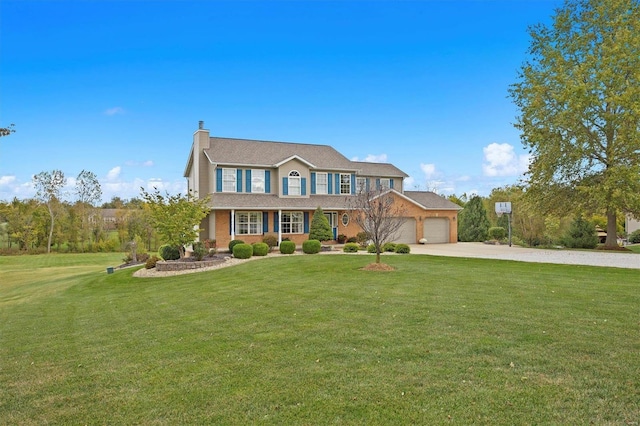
point(199, 250)
point(351, 248)
point(151, 262)
point(634, 237)
point(287, 247)
point(232, 243)
point(270, 240)
point(167, 252)
point(311, 247)
point(242, 251)
point(260, 249)
point(371, 248)
point(402, 248)
point(390, 247)
point(581, 234)
point(497, 233)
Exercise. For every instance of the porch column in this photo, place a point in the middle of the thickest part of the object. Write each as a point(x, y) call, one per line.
point(233, 224)
point(279, 226)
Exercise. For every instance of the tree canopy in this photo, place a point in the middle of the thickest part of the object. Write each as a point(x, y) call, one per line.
point(48, 187)
point(176, 217)
point(579, 101)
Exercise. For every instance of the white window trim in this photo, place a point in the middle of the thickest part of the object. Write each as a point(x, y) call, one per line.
point(257, 222)
point(325, 184)
point(345, 185)
point(291, 223)
point(294, 176)
point(361, 185)
point(225, 179)
point(259, 189)
point(385, 183)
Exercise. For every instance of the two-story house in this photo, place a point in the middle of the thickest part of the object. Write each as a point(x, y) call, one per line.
point(260, 188)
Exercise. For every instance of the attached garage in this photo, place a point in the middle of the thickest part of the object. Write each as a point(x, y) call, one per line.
point(436, 230)
point(407, 232)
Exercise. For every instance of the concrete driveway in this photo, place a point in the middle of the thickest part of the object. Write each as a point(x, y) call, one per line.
point(521, 254)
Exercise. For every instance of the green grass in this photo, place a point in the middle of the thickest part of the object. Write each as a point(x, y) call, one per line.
point(314, 340)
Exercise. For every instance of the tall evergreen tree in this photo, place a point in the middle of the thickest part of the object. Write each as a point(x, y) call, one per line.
point(320, 228)
point(473, 224)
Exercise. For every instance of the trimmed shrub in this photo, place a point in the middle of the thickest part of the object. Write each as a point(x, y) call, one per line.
point(270, 240)
point(320, 228)
point(390, 247)
point(151, 262)
point(167, 252)
point(352, 240)
point(199, 250)
point(260, 249)
point(341, 238)
point(634, 237)
point(287, 247)
point(403, 248)
point(242, 251)
point(233, 243)
point(497, 233)
point(362, 238)
point(351, 248)
point(311, 247)
point(371, 248)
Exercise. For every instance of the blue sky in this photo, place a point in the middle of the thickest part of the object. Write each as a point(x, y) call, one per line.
point(118, 87)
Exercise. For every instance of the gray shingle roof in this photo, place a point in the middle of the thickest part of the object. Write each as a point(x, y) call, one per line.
point(431, 200)
point(378, 169)
point(226, 201)
point(267, 154)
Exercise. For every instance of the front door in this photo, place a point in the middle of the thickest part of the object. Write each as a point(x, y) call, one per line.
point(332, 217)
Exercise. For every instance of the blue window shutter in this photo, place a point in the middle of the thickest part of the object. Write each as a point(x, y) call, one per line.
point(377, 184)
point(267, 181)
point(276, 222)
point(265, 222)
point(218, 180)
point(230, 223)
point(353, 183)
point(303, 186)
point(391, 183)
point(330, 182)
point(366, 184)
point(239, 180)
point(248, 183)
point(306, 222)
point(337, 183)
point(313, 183)
point(285, 186)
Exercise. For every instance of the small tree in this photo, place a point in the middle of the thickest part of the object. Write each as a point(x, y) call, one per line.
point(473, 223)
point(581, 234)
point(48, 187)
point(176, 217)
point(378, 214)
point(320, 228)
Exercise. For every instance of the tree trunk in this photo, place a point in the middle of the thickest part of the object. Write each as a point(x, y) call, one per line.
point(50, 228)
point(612, 236)
point(377, 256)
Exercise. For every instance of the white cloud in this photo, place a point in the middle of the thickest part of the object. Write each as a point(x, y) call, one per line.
point(429, 170)
point(148, 163)
point(372, 158)
point(114, 173)
point(114, 111)
point(7, 180)
point(502, 160)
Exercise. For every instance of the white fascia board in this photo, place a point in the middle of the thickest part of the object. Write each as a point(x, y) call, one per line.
point(295, 157)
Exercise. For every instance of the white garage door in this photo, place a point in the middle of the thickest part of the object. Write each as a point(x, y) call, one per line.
point(407, 232)
point(436, 230)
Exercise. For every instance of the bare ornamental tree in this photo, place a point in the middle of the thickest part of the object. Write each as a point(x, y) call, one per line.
point(379, 214)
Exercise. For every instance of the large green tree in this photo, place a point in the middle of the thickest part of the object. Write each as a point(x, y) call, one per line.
point(473, 224)
point(579, 101)
point(176, 217)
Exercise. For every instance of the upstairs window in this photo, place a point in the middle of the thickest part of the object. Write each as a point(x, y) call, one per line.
point(345, 184)
point(385, 184)
point(229, 180)
point(322, 184)
point(294, 183)
point(257, 181)
point(361, 185)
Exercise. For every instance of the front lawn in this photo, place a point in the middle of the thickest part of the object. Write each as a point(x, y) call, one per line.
point(315, 340)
